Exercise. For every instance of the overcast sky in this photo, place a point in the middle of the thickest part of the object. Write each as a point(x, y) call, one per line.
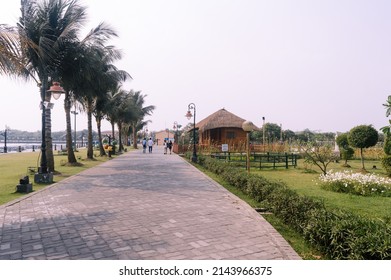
point(323, 65)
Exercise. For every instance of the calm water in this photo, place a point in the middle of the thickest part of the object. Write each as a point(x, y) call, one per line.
point(28, 147)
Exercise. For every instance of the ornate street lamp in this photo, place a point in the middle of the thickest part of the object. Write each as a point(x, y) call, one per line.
point(55, 90)
point(188, 115)
point(175, 127)
point(248, 127)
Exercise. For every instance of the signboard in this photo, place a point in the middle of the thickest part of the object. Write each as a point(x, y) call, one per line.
point(224, 147)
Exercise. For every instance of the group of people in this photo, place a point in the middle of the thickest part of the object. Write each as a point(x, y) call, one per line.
point(148, 143)
point(166, 144)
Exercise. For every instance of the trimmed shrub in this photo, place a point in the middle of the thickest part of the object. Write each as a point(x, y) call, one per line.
point(293, 209)
point(343, 235)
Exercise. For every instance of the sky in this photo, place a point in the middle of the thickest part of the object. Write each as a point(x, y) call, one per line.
point(316, 64)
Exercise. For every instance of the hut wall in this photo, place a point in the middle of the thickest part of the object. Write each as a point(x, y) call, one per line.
point(223, 135)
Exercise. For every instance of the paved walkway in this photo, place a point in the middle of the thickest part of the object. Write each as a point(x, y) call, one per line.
point(137, 206)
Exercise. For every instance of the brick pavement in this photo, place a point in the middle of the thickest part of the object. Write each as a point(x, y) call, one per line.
point(137, 206)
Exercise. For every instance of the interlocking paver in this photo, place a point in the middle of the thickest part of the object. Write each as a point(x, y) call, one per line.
point(137, 206)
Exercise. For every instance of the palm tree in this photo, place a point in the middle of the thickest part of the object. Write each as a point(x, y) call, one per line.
point(387, 129)
point(11, 62)
point(100, 77)
point(48, 26)
point(141, 112)
point(116, 98)
point(75, 70)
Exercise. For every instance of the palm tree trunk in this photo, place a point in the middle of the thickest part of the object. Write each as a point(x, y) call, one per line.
point(120, 145)
point(67, 108)
point(112, 130)
point(134, 136)
point(99, 127)
point(90, 149)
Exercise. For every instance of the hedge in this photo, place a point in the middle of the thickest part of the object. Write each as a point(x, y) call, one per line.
point(339, 234)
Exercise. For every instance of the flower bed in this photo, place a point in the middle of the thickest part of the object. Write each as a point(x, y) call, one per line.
point(356, 183)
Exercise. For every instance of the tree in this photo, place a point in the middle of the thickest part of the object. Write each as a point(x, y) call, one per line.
point(318, 154)
point(141, 112)
point(289, 134)
point(76, 69)
point(346, 151)
point(272, 131)
point(386, 160)
point(11, 60)
point(363, 136)
point(44, 31)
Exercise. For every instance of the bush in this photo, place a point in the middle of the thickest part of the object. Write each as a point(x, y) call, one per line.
point(259, 188)
point(386, 163)
point(292, 208)
point(343, 235)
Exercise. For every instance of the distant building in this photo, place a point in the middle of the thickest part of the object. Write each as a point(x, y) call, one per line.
point(163, 134)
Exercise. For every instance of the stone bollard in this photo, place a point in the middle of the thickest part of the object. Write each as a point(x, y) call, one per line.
point(24, 185)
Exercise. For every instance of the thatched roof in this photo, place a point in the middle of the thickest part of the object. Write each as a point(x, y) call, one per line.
point(221, 118)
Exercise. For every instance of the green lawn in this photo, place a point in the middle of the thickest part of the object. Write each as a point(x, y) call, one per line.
point(13, 166)
point(305, 183)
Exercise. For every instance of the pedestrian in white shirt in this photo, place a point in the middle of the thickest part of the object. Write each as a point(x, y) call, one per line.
point(150, 144)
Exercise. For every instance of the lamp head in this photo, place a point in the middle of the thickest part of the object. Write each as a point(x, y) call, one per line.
point(56, 90)
point(189, 115)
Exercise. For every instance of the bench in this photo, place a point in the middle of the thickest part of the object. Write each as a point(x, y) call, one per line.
point(31, 169)
point(62, 152)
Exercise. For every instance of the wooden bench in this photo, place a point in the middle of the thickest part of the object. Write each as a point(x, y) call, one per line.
point(62, 152)
point(31, 169)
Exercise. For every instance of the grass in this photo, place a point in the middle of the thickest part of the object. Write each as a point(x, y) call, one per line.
point(13, 166)
point(305, 183)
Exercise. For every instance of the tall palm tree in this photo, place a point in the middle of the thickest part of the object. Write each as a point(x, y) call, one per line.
point(76, 69)
point(95, 87)
point(138, 122)
point(49, 26)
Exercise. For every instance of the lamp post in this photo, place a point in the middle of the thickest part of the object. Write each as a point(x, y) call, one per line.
point(263, 133)
point(168, 134)
point(5, 139)
point(176, 127)
point(55, 90)
point(192, 106)
point(75, 113)
point(248, 127)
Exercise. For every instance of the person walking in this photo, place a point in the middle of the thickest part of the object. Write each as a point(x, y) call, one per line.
point(169, 146)
point(150, 144)
point(165, 146)
point(144, 145)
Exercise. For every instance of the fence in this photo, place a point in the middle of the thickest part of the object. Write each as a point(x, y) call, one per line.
point(261, 160)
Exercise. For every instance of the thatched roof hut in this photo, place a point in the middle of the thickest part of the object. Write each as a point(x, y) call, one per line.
point(219, 119)
point(221, 127)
